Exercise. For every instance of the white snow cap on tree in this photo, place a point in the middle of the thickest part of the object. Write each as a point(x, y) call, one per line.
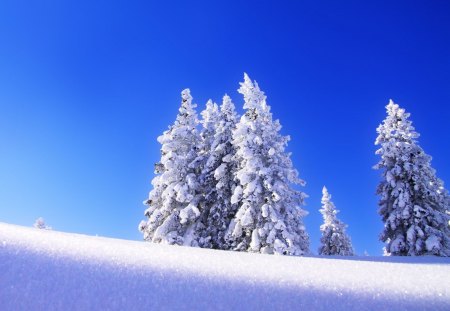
point(269, 217)
point(334, 240)
point(210, 118)
point(173, 203)
point(40, 224)
point(414, 202)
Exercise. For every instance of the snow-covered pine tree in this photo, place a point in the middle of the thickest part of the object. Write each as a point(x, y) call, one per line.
point(413, 200)
point(334, 240)
point(218, 171)
point(210, 117)
point(40, 224)
point(269, 217)
point(173, 203)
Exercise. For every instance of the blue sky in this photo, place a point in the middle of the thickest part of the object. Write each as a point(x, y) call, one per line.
point(85, 89)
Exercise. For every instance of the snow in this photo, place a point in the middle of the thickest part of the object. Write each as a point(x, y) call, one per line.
point(220, 171)
point(48, 270)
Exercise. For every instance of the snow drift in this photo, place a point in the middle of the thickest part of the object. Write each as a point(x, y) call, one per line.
point(48, 270)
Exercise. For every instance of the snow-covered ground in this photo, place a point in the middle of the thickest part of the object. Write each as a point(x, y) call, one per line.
point(48, 270)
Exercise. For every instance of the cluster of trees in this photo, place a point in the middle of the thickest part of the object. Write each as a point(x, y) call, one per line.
point(226, 182)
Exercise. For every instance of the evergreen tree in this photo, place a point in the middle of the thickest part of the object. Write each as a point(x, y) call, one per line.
point(40, 224)
point(413, 202)
point(174, 202)
point(218, 172)
point(334, 240)
point(210, 118)
point(269, 217)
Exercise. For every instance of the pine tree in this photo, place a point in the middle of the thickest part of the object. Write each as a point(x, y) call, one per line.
point(174, 202)
point(413, 202)
point(269, 217)
point(218, 171)
point(210, 118)
point(334, 240)
point(40, 224)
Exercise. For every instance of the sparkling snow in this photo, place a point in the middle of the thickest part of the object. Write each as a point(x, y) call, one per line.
point(48, 270)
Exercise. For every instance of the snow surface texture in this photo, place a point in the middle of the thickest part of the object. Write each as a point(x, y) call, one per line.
point(48, 270)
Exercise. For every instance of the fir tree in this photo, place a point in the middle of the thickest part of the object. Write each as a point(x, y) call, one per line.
point(413, 200)
point(218, 172)
point(334, 240)
point(269, 217)
point(173, 203)
point(210, 118)
point(40, 224)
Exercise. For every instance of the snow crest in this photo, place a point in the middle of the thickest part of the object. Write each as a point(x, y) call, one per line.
point(48, 270)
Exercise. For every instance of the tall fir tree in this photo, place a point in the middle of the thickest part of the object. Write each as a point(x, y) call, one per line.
point(210, 117)
point(414, 202)
point(334, 240)
point(218, 171)
point(269, 217)
point(174, 202)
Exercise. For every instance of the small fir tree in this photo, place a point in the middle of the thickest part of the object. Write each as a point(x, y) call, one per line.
point(334, 240)
point(174, 202)
point(40, 224)
point(269, 217)
point(413, 200)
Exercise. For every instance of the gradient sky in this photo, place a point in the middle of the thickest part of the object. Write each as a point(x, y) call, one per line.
point(86, 88)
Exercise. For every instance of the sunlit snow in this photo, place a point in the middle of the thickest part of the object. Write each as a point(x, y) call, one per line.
point(48, 270)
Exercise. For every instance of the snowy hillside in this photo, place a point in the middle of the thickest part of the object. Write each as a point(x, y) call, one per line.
point(47, 270)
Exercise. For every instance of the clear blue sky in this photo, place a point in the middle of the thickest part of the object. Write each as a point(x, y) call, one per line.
point(85, 89)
